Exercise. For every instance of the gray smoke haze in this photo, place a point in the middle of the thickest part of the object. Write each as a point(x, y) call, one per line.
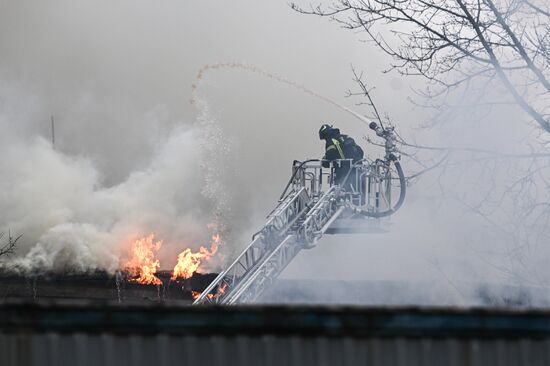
point(133, 156)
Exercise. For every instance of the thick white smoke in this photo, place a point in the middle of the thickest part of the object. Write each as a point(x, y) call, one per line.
point(71, 221)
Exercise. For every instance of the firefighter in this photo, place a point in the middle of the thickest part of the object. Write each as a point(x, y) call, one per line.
point(339, 146)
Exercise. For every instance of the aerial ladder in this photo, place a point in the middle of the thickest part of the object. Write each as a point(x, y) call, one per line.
point(313, 204)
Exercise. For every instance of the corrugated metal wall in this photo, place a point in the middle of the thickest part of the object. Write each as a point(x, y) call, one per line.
point(161, 350)
point(158, 336)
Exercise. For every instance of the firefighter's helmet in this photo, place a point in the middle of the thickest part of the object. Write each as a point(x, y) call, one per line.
point(324, 131)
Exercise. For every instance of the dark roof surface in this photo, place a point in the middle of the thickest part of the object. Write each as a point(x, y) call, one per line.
point(96, 317)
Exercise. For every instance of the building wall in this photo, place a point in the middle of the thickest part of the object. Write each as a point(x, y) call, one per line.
point(110, 334)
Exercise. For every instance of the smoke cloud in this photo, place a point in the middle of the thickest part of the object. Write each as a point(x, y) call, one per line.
point(70, 220)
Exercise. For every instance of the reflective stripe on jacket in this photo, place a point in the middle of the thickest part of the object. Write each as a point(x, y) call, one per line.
point(335, 146)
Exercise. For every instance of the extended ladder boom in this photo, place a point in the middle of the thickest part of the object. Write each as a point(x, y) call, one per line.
point(304, 213)
point(297, 222)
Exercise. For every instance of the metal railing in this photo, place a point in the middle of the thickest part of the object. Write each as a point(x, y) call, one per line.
point(317, 194)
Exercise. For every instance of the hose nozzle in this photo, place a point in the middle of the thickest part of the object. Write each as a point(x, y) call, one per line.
point(379, 130)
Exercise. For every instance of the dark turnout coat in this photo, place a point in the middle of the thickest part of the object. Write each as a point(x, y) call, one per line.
point(339, 146)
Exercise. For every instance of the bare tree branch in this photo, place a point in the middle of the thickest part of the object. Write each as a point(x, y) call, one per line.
point(9, 247)
point(451, 43)
point(538, 9)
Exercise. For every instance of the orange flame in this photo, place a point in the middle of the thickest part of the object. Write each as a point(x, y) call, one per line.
point(221, 291)
point(189, 262)
point(143, 264)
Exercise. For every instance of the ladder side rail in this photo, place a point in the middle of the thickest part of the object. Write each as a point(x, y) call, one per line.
point(241, 279)
point(283, 202)
point(248, 258)
point(332, 219)
point(284, 206)
point(325, 213)
point(243, 286)
point(280, 222)
point(279, 262)
point(250, 277)
point(270, 251)
point(320, 213)
point(224, 274)
point(300, 202)
point(301, 208)
point(274, 265)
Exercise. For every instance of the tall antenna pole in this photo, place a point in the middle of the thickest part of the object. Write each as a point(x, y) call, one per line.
point(53, 133)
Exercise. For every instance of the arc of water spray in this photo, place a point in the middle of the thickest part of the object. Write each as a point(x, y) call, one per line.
point(261, 72)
